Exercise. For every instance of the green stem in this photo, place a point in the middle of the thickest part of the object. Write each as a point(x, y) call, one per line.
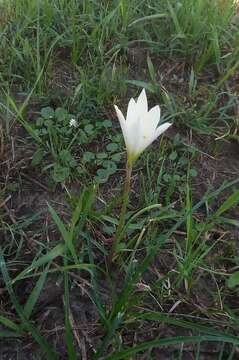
point(122, 213)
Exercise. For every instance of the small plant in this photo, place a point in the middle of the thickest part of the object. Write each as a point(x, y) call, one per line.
point(58, 130)
point(105, 161)
point(65, 139)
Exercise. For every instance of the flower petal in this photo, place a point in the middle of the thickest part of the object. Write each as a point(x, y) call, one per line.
point(144, 138)
point(122, 123)
point(151, 121)
point(133, 132)
point(144, 141)
point(131, 111)
point(154, 116)
point(161, 129)
point(142, 103)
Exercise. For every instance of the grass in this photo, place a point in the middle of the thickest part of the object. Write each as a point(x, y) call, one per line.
point(175, 278)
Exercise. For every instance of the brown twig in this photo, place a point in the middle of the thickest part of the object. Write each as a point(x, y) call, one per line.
point(35, 181)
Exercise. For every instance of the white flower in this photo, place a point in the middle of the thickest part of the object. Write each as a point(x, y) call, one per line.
point(73, 123)
point(140, 128)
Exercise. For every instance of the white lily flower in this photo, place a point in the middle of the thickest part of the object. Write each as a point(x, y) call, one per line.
point(140, 128)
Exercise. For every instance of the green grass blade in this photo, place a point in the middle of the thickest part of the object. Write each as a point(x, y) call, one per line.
point(142, 84)
point(96, 296)
point(223, 220)
point(10, 324)
point(188, 325)
point(112, 327)
point(9, 334)
point(233, 280)
point(124, 354)
point(175, 19)
point(69, 335)
point(88, 200)
point(51, 255)
point(231, 201)
point(147, 18)
point(25, 323)
point(67, 236)
point(31, 131)
point(61, 227)
point(32, 299)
